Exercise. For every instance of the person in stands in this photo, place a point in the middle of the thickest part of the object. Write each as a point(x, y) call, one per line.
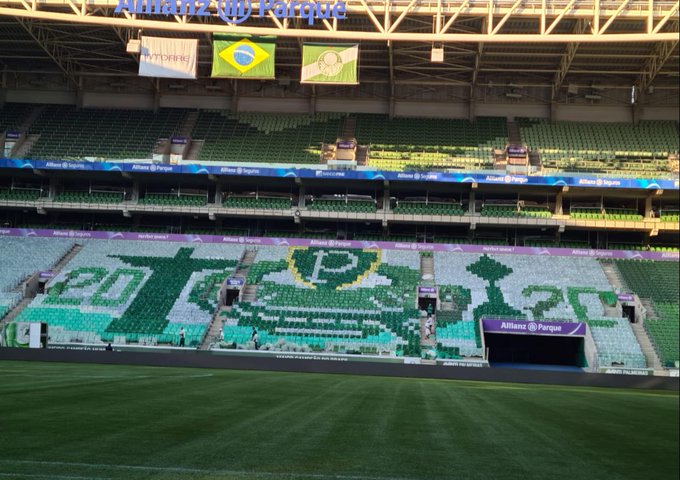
point(428, 326)
point(255, 338)
point(182, 336)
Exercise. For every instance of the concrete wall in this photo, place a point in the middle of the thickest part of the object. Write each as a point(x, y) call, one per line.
point(203, 359)
point(600, 113)
point(58, 97)
point(120, 100)
point(301, 104)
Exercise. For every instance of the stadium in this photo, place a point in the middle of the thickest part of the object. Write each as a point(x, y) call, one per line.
point(347, 240)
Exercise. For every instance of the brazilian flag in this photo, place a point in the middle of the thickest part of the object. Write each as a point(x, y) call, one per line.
point(243, 56)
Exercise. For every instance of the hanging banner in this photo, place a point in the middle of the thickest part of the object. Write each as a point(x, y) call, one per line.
point(523, 327)
point(331, 64)
point(243, 57)
point(168, 57)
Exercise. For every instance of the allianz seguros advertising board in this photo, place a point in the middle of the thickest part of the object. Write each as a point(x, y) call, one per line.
point(237, 11)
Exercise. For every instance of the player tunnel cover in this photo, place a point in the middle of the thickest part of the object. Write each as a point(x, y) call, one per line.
point(577, 329)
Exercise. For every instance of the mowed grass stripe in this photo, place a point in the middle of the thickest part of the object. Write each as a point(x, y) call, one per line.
point(149, 422)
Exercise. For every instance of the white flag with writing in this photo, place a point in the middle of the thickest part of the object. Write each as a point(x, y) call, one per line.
point(168, 57)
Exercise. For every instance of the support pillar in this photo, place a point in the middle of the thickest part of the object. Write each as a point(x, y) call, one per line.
point(472, 110)
point(156, 100)
point(471, 204)
point(553, 111)
point(80, 98)
point(301, 196)
point(53, 187)
point(217, 199)
point(135, 191)
point(559, 209)
point(312, 102)
point(648, 206)
point(234, 96)
point(386, 196)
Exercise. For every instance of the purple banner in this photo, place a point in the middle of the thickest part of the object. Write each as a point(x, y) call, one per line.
point(522, 327)
point(346, 145)
point(13, 135)
point(46, 274)
point(625, 297)
point(515, 151)
point(427, 290)
point(235, 282)
point(301, 242)
point(179, 140)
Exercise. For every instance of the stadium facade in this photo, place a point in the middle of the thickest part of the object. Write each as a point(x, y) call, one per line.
point(374, 167)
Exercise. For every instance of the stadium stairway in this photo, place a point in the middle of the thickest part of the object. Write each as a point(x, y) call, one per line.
point(13, 313)
point(212, 332)
point(249, 290)
point(349, 126)
point(188, 123)
point(212, 335)
point(427, 268)
point(651, 357)
point(514, 134)
point(61, 263)
point(426, 342)
point(427, 276)
point(195, 149)
point(647, 348)
point(613, 276)
point(28, 120)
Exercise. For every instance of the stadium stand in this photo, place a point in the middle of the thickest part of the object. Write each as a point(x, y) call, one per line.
point(583, 213)
point(333, 300)
point(23, 257)
point(174, 199)
point(297, 234)
point(415, 144)
point(20, 194)
point(67, 133)
point(89, 197)
point(11, 115)
point(626, 214)
point(259, 202)
point(387, 238)
point(620, 148)
point(343, 204)
point(265, 138)
point(640, 247)
point(672, 216)
point(515, 286)
point(470, 241)
point(329, 299)
point(414, 207)
point(492, 210)
point(555, 244)
point(657, 282)
point(515, 209)
point(134, 292)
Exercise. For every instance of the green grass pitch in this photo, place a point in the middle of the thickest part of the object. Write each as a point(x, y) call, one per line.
point(72, 422)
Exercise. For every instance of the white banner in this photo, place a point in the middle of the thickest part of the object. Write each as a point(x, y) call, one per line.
point(168, 57)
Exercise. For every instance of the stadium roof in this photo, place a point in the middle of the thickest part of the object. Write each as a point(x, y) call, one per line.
point(540, 43)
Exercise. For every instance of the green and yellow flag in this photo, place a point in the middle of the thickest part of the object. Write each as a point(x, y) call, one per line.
point(243, 56)
point(330, 63)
